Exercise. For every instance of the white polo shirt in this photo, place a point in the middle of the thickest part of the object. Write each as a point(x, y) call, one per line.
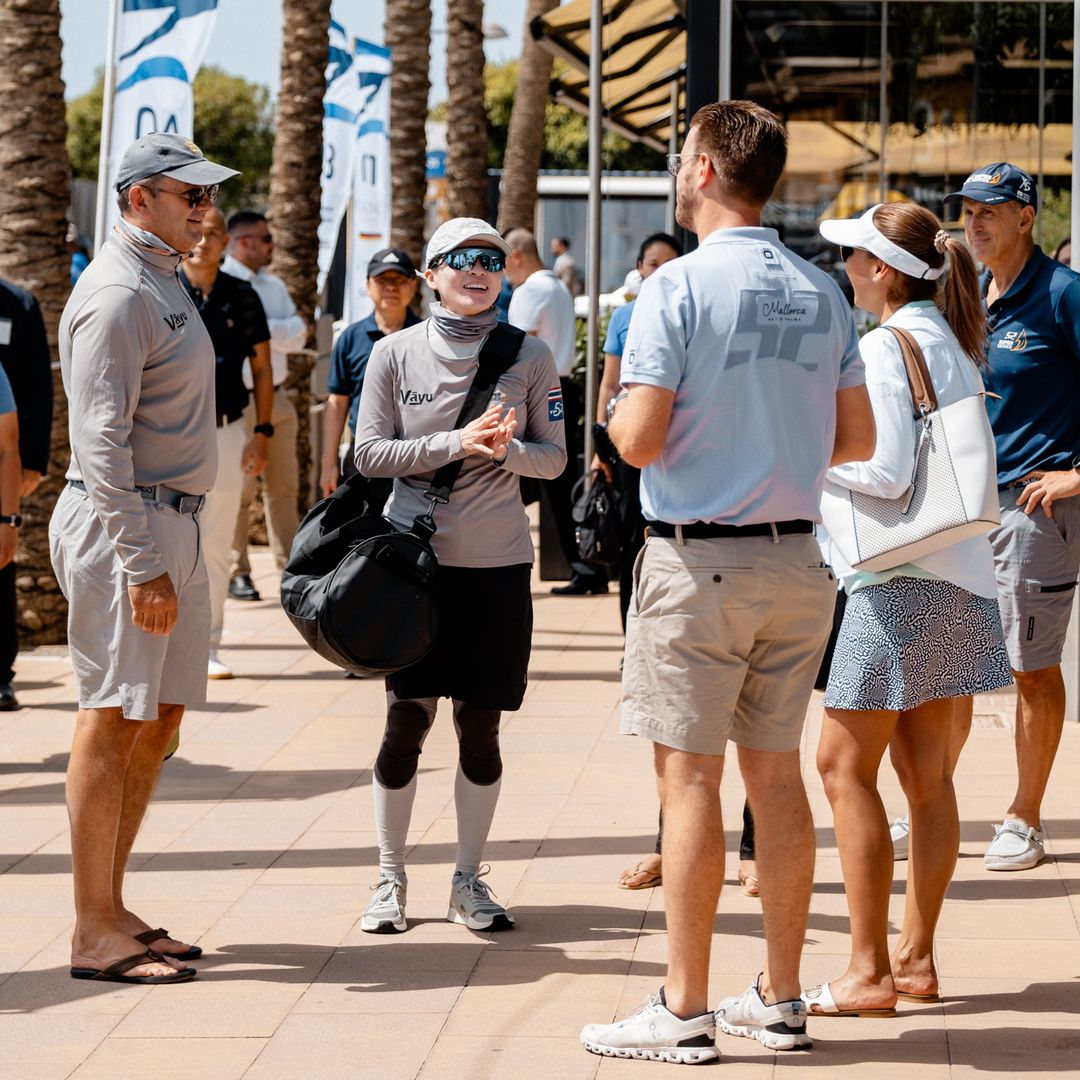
point(755, 342)
point(542, 305)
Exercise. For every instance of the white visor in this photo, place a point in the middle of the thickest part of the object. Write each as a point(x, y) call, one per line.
point(861, 232)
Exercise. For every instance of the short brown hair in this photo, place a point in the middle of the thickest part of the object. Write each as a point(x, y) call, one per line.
point(747, 145)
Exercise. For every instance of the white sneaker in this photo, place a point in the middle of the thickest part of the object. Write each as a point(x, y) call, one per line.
point(471, 903)
point(215, 669)
point(654, 1033)
point(1016, 846)
point(385, 913)
point(900, 830)
point(779, 1027)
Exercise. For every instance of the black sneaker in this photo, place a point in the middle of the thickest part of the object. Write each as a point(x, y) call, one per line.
point(241, 587)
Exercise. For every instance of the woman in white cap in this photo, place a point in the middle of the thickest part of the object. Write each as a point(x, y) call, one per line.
point(414, 388)
point(914, 638)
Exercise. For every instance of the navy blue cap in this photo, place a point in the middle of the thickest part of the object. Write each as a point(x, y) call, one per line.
point(997, 183)
point(390, 259)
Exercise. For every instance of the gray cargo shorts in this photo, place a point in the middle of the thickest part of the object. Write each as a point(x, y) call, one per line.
point(1036, 560)
point(118, 665)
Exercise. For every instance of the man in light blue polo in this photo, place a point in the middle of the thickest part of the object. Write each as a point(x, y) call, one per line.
point(744, 384)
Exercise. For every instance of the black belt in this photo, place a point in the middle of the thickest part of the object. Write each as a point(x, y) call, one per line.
point(230, 417)
point(162, 493)
point(708, 530)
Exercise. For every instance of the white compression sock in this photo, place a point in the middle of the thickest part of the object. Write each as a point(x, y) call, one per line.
point(475, 806)
point(393, 811)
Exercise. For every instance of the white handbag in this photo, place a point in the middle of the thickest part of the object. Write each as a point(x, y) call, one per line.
point(953, 492)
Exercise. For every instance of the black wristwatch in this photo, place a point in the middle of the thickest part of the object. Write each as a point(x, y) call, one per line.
point(14, 520)
point(264, 429)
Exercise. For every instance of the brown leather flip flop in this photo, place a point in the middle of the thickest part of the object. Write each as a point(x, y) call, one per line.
point(148, 937)
point(115, 972)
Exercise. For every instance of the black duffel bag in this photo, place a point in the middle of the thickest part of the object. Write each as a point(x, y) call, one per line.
point(597, 524)
point(362, 593)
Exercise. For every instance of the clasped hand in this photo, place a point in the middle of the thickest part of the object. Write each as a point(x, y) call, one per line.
point(489, 434)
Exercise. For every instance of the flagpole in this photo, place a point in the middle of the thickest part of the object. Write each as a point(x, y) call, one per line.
point(107, 101)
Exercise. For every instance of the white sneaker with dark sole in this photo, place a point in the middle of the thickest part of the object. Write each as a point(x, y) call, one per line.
point(472, 903)
point(899, 832)
point(385, 913)
point(1016, 846)
point(654, 1033)
point(216, 669)
point(779, 1027)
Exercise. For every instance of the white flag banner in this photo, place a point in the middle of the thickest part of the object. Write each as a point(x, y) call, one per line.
point(341, 106)
point(161, 44)
point(370, 225)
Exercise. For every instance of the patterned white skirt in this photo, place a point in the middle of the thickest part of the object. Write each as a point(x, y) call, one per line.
point(909, 641)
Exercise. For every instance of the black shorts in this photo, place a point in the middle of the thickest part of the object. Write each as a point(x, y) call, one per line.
point(485, 637)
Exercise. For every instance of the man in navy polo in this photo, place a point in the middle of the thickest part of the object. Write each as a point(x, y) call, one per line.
point(391, 284)
point(1033, 308)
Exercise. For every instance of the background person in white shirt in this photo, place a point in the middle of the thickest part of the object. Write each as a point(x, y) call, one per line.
point(251, 247)
point(915, 638)
point(542, 307)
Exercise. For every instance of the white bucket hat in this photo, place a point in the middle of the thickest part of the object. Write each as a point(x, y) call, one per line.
point(861, 232)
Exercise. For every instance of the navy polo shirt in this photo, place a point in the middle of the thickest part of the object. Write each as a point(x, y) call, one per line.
point(1033, 363)
point(348, 361)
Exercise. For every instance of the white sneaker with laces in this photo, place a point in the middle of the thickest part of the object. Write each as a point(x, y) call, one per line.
point(215, 669)
point(472, 903)
point(899, 831)
point(779, 1027)
point(655, 1033)
point(1016, 846)
point(385, 913)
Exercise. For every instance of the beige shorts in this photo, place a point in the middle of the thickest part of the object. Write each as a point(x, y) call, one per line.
point(723, 641)
point(118, 665)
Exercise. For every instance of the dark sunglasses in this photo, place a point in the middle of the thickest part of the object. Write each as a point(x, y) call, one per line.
point(266, 238)
point(195, 195)
point(846, 253)
point(466, 258)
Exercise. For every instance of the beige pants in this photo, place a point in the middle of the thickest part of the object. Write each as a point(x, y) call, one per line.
point(281, 485)
point(218, 520)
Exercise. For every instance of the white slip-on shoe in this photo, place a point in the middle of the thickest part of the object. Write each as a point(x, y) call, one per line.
point(1016, 846)
point(899, 832)
point(779, 1027)
point(655, 1033)
point(215, 669)
point(385, 913)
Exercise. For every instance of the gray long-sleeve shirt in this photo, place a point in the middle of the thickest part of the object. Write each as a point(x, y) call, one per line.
point(138, 369)
point(410, 401)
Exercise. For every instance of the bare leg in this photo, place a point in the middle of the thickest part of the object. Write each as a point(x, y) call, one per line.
point(924, 740)
point(961, 729)
point(102, 752)
point(784, 849)
point(141, 779)
point(852, 744)
point(693, 871)
point(1040, 716)
point(651, 864)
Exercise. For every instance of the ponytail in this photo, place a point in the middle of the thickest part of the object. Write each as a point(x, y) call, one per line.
point(962, 302)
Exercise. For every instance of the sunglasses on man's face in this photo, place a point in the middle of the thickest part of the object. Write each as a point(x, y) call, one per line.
point(194, 195)
point(466, 258)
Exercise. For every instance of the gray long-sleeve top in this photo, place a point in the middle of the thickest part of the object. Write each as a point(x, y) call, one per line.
point(138, 370)
point(410, 401)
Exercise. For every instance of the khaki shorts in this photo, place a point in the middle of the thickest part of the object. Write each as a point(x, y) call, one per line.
point(118, 665)
point(1036, 560)
point(723, 641)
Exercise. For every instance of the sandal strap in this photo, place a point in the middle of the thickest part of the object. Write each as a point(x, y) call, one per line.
point(129, 962)
point(151, 935)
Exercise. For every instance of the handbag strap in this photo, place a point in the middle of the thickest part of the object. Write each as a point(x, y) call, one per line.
point(919, 381)
point(496, 356)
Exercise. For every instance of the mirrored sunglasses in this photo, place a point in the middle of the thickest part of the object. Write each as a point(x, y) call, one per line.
point(466, 258)
point(674, 163)
point(195, 195)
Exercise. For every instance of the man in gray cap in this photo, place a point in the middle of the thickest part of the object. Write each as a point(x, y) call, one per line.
point(138, 369)
point(1033, 375)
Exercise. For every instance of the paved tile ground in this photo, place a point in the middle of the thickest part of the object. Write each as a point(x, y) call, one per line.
point(260, 846)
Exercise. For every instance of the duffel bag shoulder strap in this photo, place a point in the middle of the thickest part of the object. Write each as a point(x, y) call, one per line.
point(922, 387)
point(499, 352)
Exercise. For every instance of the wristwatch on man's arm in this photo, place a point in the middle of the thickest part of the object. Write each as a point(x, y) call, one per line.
point(264, 429)
point(14, 520)
point(1075, 463)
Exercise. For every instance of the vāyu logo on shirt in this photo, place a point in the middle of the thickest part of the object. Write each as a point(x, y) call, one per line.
point(1013, 341)
point(412, 397)
point(175, 320)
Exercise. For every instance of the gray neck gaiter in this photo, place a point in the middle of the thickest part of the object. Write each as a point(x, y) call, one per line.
point(455, 327)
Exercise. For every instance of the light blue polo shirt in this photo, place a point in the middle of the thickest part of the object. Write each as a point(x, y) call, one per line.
point(755, 342)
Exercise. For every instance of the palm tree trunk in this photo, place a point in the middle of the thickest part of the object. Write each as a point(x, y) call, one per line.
point(408, 34)
point(33, 206)
point(295, 190)
point(525, 139)
point(466, 119)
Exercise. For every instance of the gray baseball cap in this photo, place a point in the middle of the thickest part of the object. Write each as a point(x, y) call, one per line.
point(161, 154)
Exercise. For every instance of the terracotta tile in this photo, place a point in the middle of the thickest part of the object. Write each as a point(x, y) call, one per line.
point(47, 1046)
point(137, 1058)
point(210, 1009)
